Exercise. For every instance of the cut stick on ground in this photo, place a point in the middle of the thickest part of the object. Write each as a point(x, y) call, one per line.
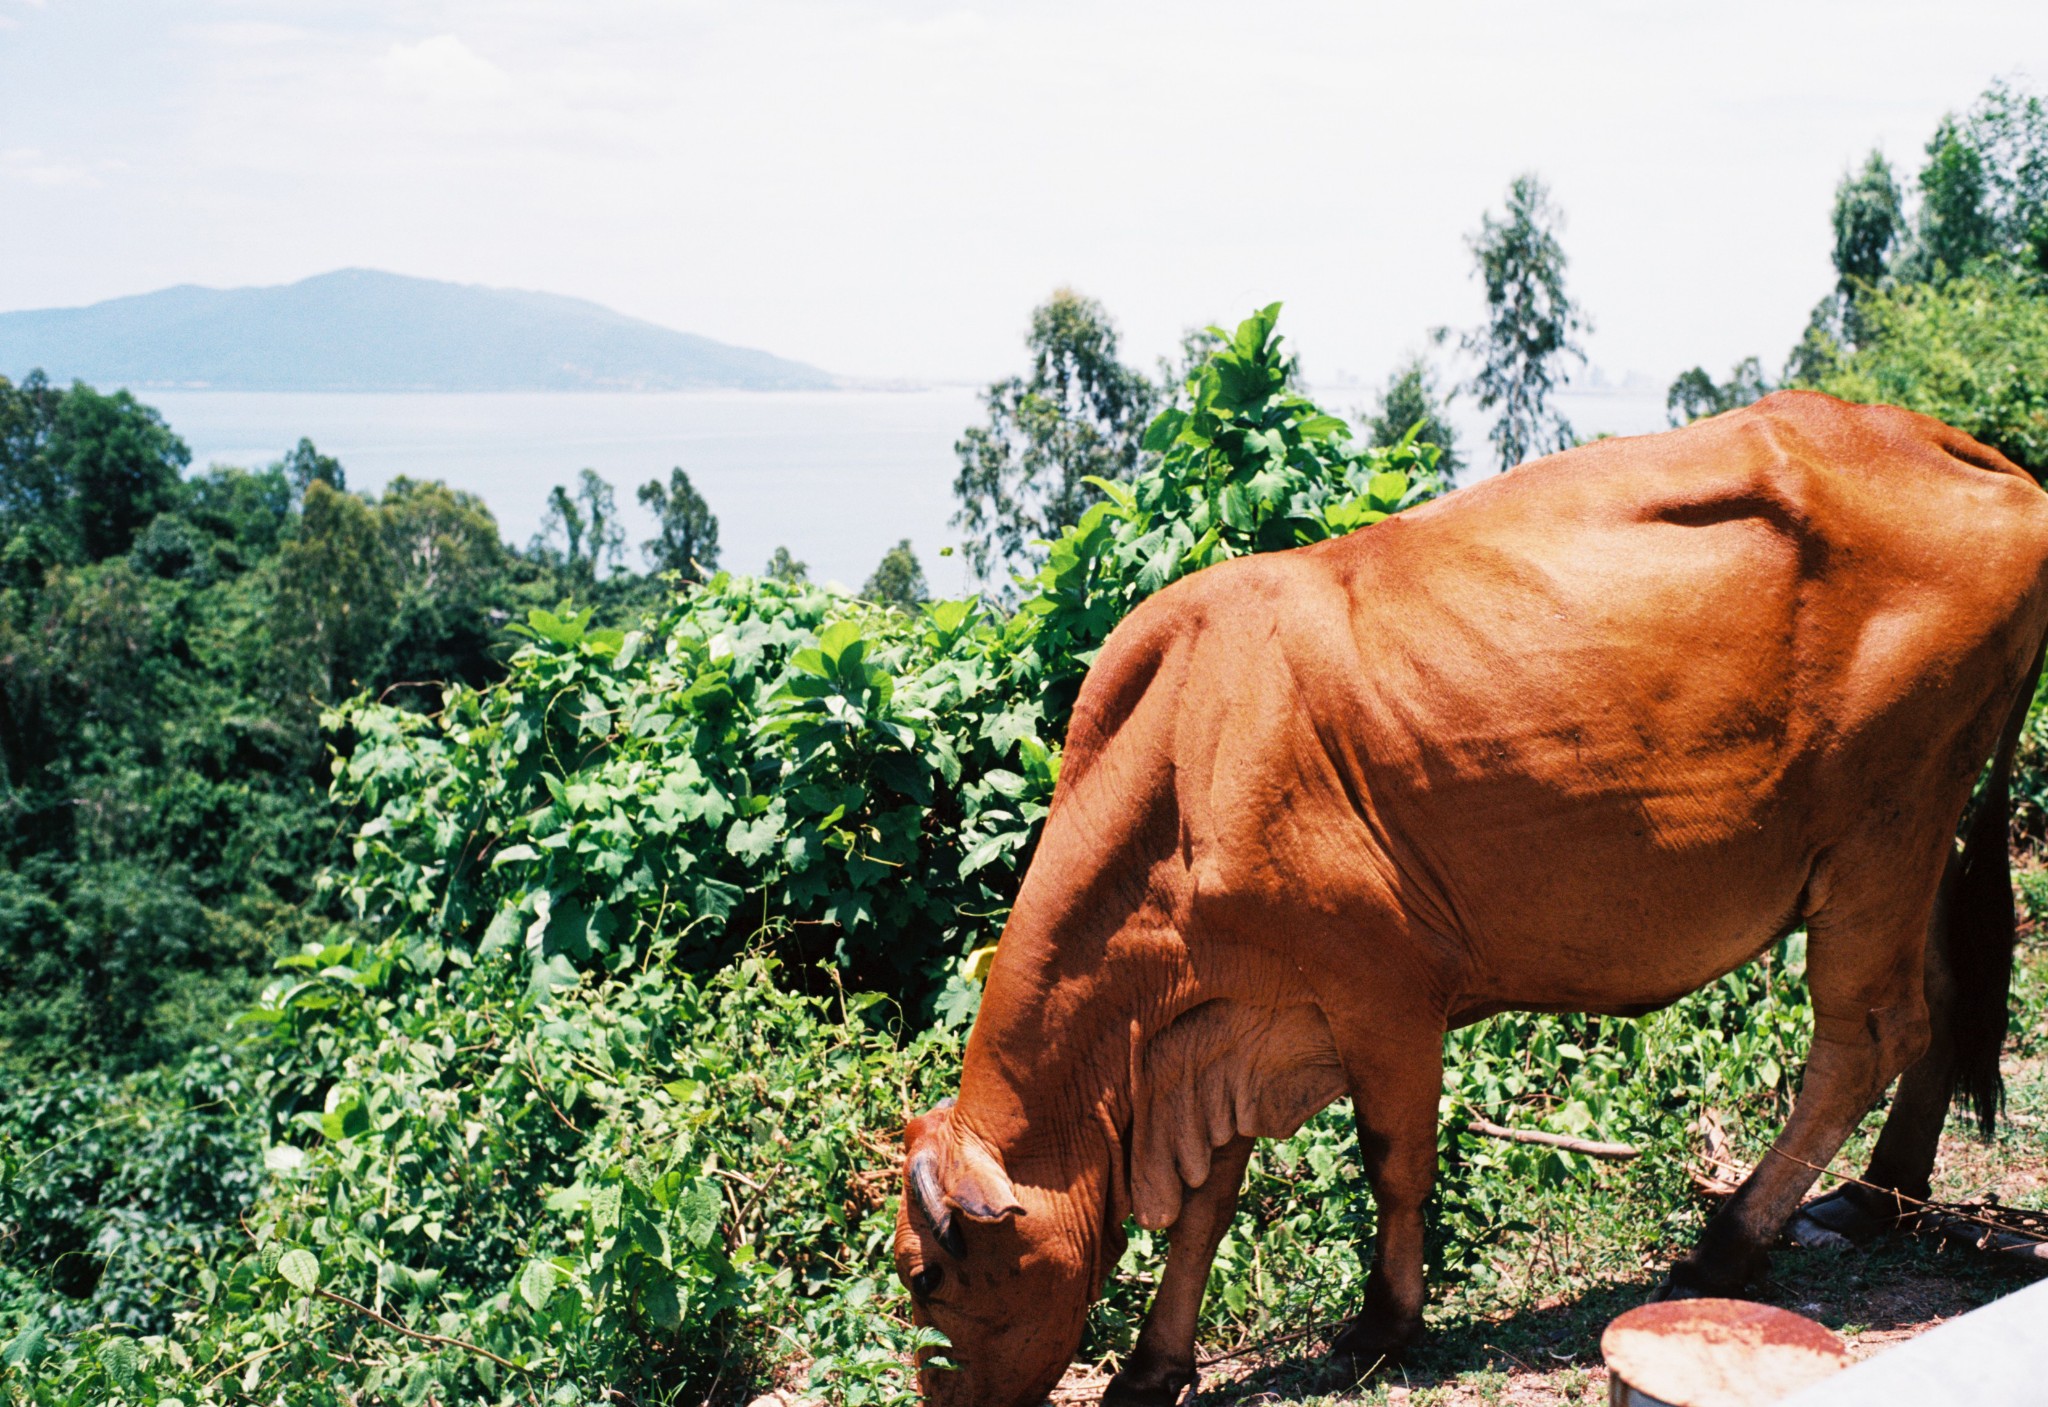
point(1555, 1140)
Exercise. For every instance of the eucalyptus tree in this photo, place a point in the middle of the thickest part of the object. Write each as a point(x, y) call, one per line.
point(580, 533)
point(1079, 414)
point(1956, 226)
point(783, 566)
point(1531, 332)
point(686, 534)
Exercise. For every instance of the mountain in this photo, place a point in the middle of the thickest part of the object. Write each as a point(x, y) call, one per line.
point(361, 330)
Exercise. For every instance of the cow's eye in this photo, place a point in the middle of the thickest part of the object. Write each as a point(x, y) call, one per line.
point(926, 1282)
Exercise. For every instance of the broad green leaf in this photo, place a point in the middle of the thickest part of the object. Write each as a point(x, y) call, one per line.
point(949, 616)
point(701, 1208)
point(119, 1356)
point(604, 1209)
point(537, 1284)
point(27, 1348)
point(1388, 488)
point(835, 637)
point(664, 1303)
point(503, 930)
point(300, 1269)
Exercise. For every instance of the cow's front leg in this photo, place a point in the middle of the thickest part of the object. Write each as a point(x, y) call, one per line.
point(1394, 1092)
point(1162, 1366)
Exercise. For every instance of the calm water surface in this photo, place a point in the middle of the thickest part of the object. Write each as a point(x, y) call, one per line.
point(838, 477)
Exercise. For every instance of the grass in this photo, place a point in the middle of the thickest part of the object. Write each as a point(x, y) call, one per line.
point(1525, 1329)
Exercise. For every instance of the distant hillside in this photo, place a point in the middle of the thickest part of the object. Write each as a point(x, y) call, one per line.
point(360, 330)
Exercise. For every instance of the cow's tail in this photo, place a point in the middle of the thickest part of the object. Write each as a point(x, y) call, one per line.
point(1981, 933)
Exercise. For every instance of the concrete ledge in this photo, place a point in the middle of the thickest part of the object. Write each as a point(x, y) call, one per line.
point(1996, 1354)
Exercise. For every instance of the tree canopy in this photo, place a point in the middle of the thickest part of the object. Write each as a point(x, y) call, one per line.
point(1411, 403)
point(1078, 415)
point(898, 580)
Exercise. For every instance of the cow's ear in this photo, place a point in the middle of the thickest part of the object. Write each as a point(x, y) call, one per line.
point(978, 1186)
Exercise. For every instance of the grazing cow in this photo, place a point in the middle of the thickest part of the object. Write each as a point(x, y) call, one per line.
point(1579, 738)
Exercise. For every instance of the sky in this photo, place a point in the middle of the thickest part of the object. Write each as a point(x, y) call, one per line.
point(885, 188)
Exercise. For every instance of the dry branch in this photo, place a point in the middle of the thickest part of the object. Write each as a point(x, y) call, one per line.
point(1555, 1140)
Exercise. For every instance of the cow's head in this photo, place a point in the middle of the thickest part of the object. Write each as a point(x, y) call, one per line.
point(1005, 1271)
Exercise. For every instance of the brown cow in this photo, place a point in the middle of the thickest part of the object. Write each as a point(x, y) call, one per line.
point(1580, 738)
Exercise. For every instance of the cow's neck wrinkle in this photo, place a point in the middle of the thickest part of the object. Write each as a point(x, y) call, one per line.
point(1047, 1080)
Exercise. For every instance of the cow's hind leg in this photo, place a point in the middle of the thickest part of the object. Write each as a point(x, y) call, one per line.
point(1870, 1022)
point(1901, 1170)
point(1395, 1086)
point(1162, 1365)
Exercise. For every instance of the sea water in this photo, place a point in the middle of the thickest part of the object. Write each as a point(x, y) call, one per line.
point(837, 477)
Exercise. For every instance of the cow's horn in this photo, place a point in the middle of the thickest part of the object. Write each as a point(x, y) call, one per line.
point(931, 1200)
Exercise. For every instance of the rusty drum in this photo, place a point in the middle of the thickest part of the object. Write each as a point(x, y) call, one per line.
point(1715, 1353)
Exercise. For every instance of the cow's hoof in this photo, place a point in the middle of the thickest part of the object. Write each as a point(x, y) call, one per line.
point(1153, 1384)
point(1694, 1280)
point(1371, 1342)
point(1845, 1217)
point(1723, 1272)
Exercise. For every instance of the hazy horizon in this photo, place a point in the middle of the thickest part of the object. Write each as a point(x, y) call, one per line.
point(886, 189)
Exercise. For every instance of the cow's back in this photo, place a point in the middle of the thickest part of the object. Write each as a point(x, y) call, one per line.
point(1640, 687)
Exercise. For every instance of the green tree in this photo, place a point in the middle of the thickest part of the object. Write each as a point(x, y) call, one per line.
point(899, 580)
point(336, 594)
point(1532, 325)
point(580, 534)
point(1411, 402)
point(2009, 128)
point(1955, 227)
point(1972, 351)
point(783, 567)
point(1695, 394)
point(305, 464)
point(123, 463)
point(686, 534)
point(1869, 219)
point(449, 576)
point(32, 496)
point(1079, 414)
point(244, 513)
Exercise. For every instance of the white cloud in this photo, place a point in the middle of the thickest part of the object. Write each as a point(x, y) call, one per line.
point(445, 69)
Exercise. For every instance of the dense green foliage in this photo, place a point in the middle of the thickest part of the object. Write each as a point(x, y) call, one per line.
point(1940, 306)
point(634, 935)
point(1972, 352)
point(1411, 404)
point(166, 644)
point(527, 1101)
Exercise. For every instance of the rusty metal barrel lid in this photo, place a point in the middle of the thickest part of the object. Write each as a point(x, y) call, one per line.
point(1715, 1353)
